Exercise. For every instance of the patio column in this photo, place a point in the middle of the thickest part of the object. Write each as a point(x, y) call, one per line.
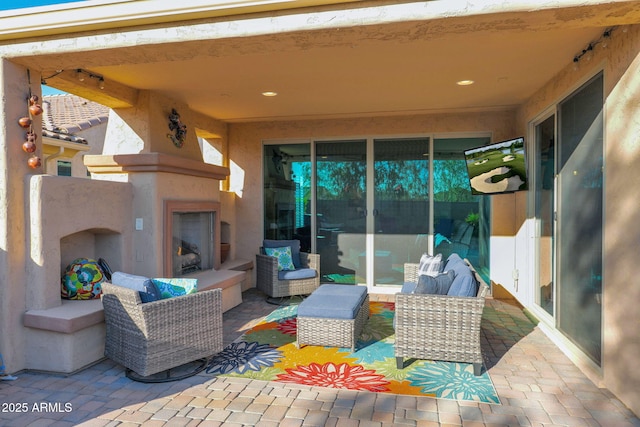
point(14, 216)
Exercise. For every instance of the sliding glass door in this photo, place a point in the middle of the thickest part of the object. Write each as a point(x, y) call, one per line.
point(580, 198)
point(341, 207)
point(367, 205)
point(400, 206)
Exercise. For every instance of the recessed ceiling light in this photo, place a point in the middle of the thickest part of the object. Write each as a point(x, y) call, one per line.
point(465, 82)
point(269, 93)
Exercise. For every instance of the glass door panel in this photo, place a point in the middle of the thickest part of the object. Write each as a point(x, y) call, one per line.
point(461, 220)
point(287, 190)
point(341, 206)
point(401, 206)
point(580, 210)
point(544, 159)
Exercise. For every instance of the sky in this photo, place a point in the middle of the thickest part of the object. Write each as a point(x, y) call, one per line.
point(46, 90)
point(20, 4)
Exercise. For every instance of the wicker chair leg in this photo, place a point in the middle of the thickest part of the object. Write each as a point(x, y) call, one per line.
point(185, 371)
point(285, 301)
point(276, 301)
point(477, 369)
point(400, 362)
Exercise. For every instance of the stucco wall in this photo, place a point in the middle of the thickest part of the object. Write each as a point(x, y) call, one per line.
point(145, 128)
point(13, 215)
point(621, 317)
point(622, 229)
point(62, 206)
point(508, 225)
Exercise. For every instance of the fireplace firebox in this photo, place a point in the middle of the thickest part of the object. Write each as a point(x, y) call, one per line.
point(192, 237)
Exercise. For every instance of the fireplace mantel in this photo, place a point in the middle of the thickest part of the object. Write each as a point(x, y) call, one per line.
point(153, 162)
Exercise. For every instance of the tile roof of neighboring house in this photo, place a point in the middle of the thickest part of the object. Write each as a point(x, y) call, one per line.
point(65, 115)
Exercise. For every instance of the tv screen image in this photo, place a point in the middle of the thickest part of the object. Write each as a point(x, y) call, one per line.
point(496, 168)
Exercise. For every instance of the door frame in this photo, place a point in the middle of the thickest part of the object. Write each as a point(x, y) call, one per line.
point(535, 250)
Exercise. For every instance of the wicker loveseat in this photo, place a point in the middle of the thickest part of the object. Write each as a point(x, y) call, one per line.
point(152, 337)
point(439, 327)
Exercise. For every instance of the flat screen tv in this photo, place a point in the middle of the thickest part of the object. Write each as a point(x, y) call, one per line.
point(497, 168)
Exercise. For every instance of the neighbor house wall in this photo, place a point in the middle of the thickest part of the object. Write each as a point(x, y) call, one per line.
point(95, 139)
point(246, 141)
point(621, 317)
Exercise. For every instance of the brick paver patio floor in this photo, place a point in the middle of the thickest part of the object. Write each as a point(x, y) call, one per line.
point(537, 385)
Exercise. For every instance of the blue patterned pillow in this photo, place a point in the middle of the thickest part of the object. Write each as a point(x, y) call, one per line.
point(294, 244)
point(284, 257)
point(175, 287)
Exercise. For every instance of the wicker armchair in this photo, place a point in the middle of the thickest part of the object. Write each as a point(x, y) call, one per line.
point(439, 327)
point(268, 282)
point(157, 336)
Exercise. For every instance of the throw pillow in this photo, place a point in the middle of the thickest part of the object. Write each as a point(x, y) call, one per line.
point(453, 258)
point(175, 287)
point(430, 265)
point(437, 285)
point(284, 257)
point(293, 244)
point(145, 286)
point(130, 281)
point(408, 288)
point(464, 285)
point(151, 292)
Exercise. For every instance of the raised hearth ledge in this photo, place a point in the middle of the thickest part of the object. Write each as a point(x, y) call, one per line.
point(153, 162)
point(69, 317)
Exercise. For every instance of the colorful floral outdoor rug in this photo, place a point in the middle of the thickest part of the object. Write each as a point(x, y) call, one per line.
point(268, 352)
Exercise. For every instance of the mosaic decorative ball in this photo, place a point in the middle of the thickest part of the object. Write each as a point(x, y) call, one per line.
point(82, 280)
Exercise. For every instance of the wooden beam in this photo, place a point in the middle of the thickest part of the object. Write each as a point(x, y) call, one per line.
point(114, 94)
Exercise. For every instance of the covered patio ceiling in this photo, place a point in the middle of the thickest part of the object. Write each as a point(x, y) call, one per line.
point(347, 60)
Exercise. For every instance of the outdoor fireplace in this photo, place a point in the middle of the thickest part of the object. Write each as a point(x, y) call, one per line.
point(192, 237)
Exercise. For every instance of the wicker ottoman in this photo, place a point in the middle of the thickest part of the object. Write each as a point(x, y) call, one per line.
point(333, 316)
